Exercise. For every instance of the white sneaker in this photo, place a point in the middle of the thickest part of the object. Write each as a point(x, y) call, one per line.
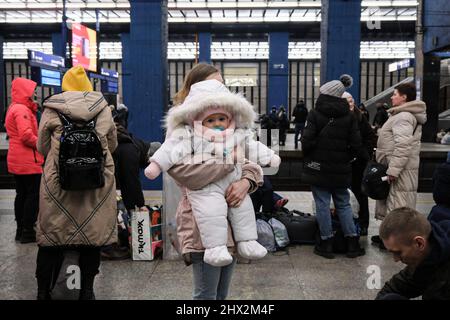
point(217, 256)
point(251, 250)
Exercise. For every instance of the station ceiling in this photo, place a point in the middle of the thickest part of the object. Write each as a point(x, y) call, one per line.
point(198, 11)
point(227, 20)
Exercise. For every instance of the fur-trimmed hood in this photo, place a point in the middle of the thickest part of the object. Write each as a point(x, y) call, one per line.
point(417, 108)
point(205, 94)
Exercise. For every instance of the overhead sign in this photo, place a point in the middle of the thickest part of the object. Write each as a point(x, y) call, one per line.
point(240, 74)
point(84, 47)
point(37, 58)
point(399, 65)
point(110, 73)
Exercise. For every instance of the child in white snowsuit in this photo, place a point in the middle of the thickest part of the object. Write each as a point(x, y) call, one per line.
point(212, 119)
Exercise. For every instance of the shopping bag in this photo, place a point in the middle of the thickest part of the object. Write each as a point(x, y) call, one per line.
point(146, 233)
point(156, 231)
point(140, 235)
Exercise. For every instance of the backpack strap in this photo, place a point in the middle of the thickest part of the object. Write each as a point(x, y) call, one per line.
point(69, 125)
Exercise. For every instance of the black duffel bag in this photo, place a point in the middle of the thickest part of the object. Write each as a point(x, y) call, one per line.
point(374, 183)
point(301, 227)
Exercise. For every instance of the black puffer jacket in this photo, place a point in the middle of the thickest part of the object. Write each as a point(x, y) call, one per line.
point(328, 154)
point(431, 279)
point(368, 138)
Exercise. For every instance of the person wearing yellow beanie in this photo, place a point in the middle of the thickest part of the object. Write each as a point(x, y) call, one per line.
point(81, 220)
point(76, 79)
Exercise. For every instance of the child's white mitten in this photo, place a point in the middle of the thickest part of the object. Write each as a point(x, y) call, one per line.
point(251, 250)
point(152, 171)
point(275, 161)
point(217, 256)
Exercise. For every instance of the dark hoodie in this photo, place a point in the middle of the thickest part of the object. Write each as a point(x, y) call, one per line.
point(431, 279)
point(441, 184)
point(330, 142)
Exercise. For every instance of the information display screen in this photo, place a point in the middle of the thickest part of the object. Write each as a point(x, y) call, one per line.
point(84, 47)
point(50, 78)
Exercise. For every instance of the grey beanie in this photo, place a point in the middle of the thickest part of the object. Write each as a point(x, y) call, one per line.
point(337, 88)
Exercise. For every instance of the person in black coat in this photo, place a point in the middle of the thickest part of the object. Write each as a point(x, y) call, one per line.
point(364, 111)
point(369, 142)
point(381, 116)
point(283, 125)
point(130, 156)
point(269, 122)
point(330, 142)
point(300, 114)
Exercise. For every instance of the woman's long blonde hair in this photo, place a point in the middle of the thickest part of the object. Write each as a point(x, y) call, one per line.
point(198, 73)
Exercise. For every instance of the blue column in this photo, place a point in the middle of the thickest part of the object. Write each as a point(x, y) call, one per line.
point(435, 23)
point(204, 41)
point(435, 37)
point(278, 77)
point(340, 37)
point(2, 82)
point(59, 49)
point(145, 65)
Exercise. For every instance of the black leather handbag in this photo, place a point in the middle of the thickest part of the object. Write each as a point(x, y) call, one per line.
point(374, 185)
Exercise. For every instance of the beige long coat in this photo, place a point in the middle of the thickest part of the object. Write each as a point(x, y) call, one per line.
point(76, 217)
point(399, 149)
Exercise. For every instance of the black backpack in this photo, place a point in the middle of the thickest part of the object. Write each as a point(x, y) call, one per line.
point(81, 158)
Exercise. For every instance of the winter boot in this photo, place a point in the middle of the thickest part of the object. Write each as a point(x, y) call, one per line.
point(87, 287)
point(28, 236)
point(43, 289)
point(354, 249)
point(377, 241)
point(18, 233)
point(87, 294)
point(325, 248)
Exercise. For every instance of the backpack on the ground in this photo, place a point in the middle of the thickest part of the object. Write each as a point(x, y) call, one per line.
point(280, 233)
point(266, 237)
point(301, 227)
point(271, 233)
point(81, 158)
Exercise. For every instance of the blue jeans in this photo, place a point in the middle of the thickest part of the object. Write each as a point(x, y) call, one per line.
point(298, 130)
point(341, 199)
point(210, 283)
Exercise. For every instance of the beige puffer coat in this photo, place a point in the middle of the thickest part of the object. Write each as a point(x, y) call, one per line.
point(76, 217)
point(399, 149)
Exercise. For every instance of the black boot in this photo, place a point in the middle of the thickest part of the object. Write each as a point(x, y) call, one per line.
point(354, 249)
point(87, 287)
point(43, 288)
point(18, 234)
point(87, 294)
point(325, 248)
point(377, 241)
point(28, 236)
point(363, 231)
point(44, 295)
